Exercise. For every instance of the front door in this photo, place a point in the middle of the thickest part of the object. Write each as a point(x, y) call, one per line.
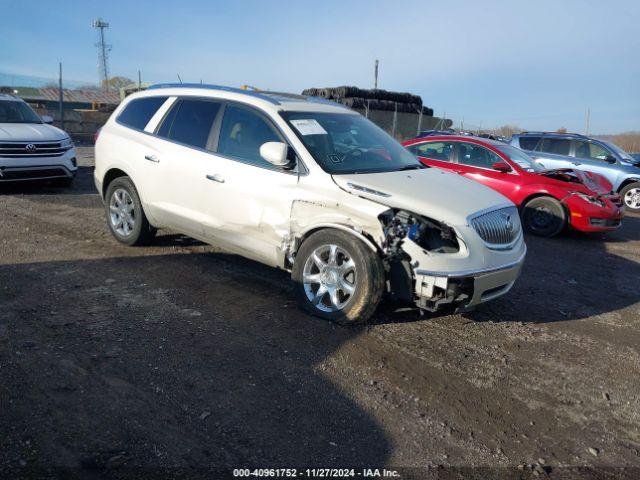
point(246, 200)
point(476, 162)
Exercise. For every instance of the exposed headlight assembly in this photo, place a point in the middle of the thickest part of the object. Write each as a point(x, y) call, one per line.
point(590, 198)
point(428, 233)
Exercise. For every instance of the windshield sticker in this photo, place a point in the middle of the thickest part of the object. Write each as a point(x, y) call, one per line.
point(309, 127)
point(334, 158)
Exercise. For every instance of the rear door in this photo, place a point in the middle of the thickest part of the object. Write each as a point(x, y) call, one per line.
point(553, 153)
point(476, 163)
point(185, 141)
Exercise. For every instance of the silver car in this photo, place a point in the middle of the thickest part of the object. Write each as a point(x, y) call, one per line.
point(571, 150)
point(30, 149)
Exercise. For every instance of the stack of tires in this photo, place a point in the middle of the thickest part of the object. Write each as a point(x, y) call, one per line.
point(373, 99)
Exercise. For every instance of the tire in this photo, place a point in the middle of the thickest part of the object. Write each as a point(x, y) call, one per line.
point(125, 216)
point(355, 266)
point(631, 197)
point(544, 216)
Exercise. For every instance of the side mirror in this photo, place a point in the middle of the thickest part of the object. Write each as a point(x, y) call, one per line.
point(276, 153)
point(610, 159)
point(47, 119)
point(501, 167)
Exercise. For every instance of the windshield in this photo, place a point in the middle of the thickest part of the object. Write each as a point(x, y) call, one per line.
point(520, 158)
point(619, 151)
point(349, 143)
point(17, 112)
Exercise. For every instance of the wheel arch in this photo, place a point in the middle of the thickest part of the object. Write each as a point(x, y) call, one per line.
point(363, 236)
point(110, 176)
point(541, 195)
point(628, 181)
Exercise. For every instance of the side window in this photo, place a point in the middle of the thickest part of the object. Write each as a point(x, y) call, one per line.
point(559, 146)
point(243, 132)
point(477, 156)
point(591, 150)
point(529, 143)
point(138, 112)
point(433, 150)
point(190, 122)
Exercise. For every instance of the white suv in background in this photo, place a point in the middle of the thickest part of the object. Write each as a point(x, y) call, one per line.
point(308, 186)
point(30, 149)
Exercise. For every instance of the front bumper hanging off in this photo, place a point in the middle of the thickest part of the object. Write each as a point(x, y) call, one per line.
point(464, 289)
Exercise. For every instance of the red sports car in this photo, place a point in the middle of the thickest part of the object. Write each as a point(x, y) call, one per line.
point(548, 199)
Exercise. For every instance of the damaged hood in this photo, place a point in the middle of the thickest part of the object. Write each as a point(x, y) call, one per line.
point(592, 181)
point(431, 192)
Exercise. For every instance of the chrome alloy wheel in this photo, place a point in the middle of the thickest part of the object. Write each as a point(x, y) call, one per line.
point(122, 212)
point(329, 278)
point(632, 198)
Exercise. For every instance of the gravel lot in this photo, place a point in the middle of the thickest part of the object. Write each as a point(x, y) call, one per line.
point(177, 359)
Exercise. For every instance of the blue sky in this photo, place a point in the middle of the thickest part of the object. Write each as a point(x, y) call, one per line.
point(538, 64)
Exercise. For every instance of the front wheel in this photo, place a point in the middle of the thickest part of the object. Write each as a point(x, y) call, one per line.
point(544, 216)
point(338, 277)
point(125, 216)
point(631, 197)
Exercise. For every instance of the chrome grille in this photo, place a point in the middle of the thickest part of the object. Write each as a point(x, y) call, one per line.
point(499, 229)
point(32, 149)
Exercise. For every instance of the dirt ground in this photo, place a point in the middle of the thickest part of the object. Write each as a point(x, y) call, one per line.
point(177, 360)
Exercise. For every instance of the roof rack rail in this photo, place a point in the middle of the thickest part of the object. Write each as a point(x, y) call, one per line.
point(251, 93)
point(554, 133)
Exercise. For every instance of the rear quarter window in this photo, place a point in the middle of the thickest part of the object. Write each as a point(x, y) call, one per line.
point(138, 112)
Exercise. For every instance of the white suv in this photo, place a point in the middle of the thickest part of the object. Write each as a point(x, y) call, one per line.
point(29, 148)
point(308, 186)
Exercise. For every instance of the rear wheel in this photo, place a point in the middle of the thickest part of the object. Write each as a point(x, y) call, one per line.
point(631, 197)
point(338, 277)
point(544, 216)
point(125, 216)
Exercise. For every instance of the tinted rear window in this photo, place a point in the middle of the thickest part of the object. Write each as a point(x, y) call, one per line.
point(529, 143)
point(190, 122)
point(559, 146)
point(138, 112)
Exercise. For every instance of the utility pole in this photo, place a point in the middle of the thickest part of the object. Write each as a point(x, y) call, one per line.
point(375, 75)
point(587, 121)
point(103, 53)
point(60, 96)
point(395, 121)
point(139, 81)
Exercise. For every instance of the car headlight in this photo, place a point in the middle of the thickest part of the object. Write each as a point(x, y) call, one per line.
point(66, 143)
point(590, 198)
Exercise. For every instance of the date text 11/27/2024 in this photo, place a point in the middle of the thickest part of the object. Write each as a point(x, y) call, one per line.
point(316, 473)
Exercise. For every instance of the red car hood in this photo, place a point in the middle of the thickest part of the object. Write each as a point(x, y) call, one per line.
point(592, 181)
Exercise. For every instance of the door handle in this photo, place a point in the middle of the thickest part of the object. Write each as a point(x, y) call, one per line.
point(152, 158)
point(216, 178)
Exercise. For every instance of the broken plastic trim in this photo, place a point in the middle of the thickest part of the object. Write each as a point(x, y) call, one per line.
point(429, 234)
point(400, 226)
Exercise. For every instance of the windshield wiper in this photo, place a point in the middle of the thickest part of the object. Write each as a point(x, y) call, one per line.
point(418, 166)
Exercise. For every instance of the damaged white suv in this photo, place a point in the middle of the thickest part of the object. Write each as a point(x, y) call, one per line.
point(308, 186)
